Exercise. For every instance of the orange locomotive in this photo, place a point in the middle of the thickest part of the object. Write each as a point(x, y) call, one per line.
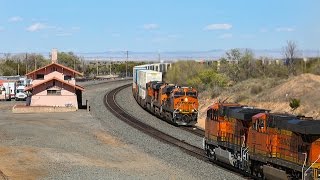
point(272, 146)
point(175, 104)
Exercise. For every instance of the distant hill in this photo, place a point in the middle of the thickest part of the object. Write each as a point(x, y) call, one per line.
point(174, 55)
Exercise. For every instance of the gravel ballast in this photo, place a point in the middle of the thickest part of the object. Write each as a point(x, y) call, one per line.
point(173, 157)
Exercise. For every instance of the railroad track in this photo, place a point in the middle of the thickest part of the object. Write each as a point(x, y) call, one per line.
point(111, 104)
point(114, 108)
point(194, 130)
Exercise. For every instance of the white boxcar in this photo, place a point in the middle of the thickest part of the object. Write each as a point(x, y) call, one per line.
point(146, 76)
point(135, 72)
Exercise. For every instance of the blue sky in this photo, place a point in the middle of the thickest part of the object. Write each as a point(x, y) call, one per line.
point(157, 25)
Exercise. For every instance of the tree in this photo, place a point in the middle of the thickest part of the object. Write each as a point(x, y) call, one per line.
point(70, 60)
point(234, 55)
point(290, 52)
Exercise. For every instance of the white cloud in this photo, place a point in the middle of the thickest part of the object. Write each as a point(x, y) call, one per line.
point(225, 36)
point(211, 27)
point(150, 26)
point(63, 34)
point(37, 27)
point(284, 29)
point(15, 19)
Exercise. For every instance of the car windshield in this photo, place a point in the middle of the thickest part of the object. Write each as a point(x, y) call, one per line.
point(20, 91)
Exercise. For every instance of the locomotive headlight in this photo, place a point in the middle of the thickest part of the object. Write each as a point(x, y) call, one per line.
point(192, 110)
point(180, 110)
point(186, 99)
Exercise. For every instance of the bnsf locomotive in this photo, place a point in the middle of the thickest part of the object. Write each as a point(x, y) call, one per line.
point(268, 145)
point(178, 105)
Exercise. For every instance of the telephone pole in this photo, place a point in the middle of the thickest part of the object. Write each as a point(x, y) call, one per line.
point(127, 64)
point(110, 67)
point(35, 62)
point(26, 63)
point(97, 67)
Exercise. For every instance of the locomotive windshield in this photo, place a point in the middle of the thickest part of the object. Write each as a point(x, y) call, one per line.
point(191, 93)
point(179, 93)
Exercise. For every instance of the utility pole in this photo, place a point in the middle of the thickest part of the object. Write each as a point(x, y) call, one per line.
point(74, 63)
point(97, 67)
point(159, 58)
point(110, 67)
point(318, 56)
point(26, 63)
point(127, 64)
point(35, 62)
point(83, 65)
point(19, 68)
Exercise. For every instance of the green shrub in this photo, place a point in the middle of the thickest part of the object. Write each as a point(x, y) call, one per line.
point(294, 103)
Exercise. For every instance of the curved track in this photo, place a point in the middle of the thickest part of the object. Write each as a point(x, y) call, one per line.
point(113, 107)
point(111, 104)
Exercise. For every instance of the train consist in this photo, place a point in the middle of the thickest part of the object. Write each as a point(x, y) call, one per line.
point(170, 102)
point(268, 145)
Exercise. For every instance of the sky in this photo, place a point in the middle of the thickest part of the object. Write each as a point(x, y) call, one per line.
point(157, 25)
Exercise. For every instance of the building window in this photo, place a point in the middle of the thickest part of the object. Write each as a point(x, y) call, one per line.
point(67, 77)
point(40, 76)
point(54, 92)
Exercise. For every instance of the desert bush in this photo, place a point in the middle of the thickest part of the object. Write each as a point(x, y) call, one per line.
point(256, 89)
point(294, 103)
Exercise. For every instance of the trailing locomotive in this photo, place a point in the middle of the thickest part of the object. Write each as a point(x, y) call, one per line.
point(268, 145)
point(178, 105)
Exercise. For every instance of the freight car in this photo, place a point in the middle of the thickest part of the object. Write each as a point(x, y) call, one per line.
point(268, 145)
point(178, 105)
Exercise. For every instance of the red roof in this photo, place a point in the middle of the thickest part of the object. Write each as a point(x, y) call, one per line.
point(54, 78)
point(62, 66)
point(2, 81)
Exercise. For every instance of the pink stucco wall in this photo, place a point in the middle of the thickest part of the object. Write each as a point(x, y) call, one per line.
point(66, 98)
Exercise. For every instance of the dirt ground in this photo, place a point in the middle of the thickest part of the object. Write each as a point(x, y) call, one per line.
point(275, 96)
point(37, 146)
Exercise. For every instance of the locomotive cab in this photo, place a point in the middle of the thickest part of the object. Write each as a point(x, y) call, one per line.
point(185, 105)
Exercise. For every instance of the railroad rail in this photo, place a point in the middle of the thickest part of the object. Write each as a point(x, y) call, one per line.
point(111, 104)
point(194, 130)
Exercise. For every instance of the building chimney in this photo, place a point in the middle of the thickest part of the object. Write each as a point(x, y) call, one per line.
point(54, 56)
